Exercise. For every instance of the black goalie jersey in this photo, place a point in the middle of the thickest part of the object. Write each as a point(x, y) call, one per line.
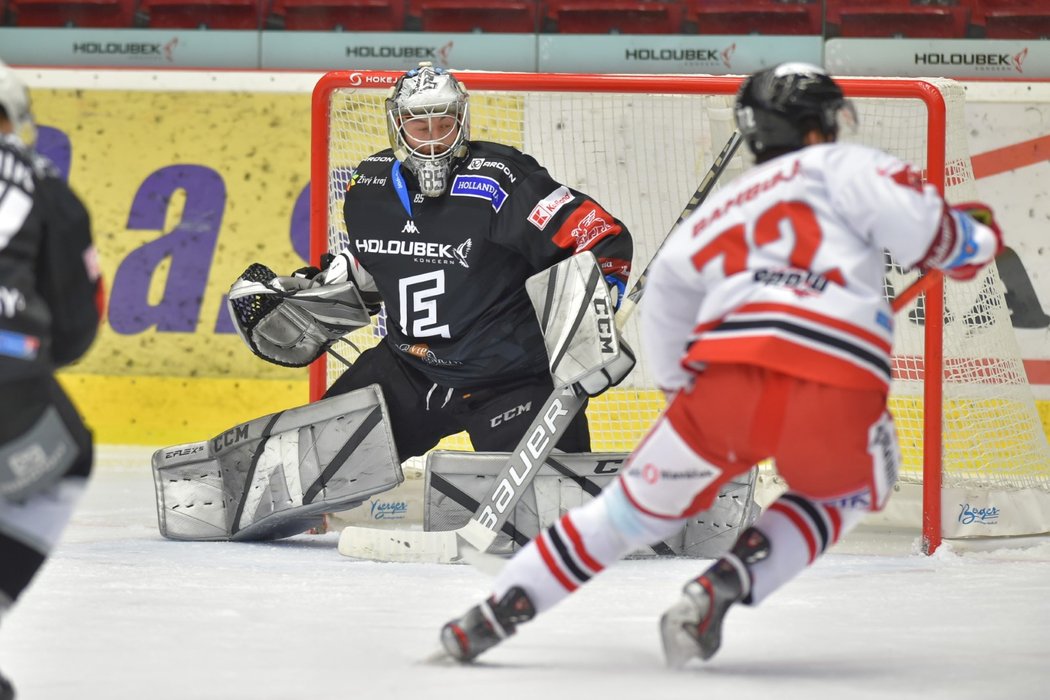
point(452, 269)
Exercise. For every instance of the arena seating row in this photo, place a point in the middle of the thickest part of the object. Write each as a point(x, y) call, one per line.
point(847, 18)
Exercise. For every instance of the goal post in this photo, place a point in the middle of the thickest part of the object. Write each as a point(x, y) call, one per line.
point(639, 144)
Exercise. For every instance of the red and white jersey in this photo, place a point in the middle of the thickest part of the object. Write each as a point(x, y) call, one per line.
point(783, 268)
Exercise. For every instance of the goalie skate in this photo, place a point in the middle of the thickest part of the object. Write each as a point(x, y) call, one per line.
point(692, 627)
point(486, 625)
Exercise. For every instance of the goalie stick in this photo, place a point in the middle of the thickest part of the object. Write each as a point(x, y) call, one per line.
point(528, 456)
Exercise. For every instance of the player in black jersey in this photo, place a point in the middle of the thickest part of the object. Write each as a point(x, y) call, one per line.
point(50, 301)
point(445, 231)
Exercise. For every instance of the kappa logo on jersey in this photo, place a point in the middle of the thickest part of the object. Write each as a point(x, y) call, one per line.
point(549, 206)
point(481, 187)
point(584, 228)
point(410, 227)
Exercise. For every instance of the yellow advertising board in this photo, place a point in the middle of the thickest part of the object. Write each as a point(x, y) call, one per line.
point(185, 189)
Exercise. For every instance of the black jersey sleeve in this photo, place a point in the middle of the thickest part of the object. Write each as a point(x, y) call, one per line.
point(68, 275)
point(547, 222)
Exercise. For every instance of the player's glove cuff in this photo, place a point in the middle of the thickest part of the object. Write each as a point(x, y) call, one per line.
point(617, 290)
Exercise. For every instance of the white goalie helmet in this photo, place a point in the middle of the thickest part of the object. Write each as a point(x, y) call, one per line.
point(14, 100)
point(428, 120)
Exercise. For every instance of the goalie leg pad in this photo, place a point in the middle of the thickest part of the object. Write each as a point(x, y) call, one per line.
point(277, 475)
point(455, 483)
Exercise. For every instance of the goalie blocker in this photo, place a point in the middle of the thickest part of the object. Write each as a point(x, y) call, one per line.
point(276, 476)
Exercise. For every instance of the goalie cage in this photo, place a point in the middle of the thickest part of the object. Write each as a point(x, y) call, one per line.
point(639, 144)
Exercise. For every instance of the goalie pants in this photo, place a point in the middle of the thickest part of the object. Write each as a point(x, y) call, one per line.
point(835, 447)
point(46, 453)
point(422, 413)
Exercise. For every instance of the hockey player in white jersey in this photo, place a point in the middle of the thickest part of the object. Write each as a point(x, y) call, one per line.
point(765, 325)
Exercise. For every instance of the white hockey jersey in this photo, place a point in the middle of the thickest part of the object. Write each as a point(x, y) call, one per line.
point(783, 268)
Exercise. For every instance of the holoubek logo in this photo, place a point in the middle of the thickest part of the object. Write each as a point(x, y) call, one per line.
point(975, 60)
point(1018, 59)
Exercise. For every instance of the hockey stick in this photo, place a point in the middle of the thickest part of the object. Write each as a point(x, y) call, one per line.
point(551, 422)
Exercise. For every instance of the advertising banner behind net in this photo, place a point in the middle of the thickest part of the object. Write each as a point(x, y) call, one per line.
point(951, 58)
point(189, 184)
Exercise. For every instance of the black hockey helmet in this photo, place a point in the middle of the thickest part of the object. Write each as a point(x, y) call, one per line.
point(777, 106)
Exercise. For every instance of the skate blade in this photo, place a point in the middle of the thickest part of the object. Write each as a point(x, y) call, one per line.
point(679, 646)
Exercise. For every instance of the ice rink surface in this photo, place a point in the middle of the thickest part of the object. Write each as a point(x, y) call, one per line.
point(121, 613)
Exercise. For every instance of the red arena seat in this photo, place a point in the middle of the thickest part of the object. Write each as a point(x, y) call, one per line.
point(614, 16)
point(1013, 19)
point(897, 18)
point(507, 16)
point(72, 13)
point(211, 14)
point(755, 17)
point(347, 15)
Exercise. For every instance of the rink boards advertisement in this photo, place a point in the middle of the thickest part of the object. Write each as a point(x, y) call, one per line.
point(186, 189)
point(189, 185)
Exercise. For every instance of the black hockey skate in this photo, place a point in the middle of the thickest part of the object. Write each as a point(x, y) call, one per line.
point(692, 627)
point(486, 625)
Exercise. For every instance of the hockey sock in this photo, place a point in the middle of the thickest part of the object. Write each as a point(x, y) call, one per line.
point(799, 530)
point(579, 546)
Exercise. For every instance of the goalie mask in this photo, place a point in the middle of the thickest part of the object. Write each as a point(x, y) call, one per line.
point(429, 124)
point(778, 106)
point(14, 101)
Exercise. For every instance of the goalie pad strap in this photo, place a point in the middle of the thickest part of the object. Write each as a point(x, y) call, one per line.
point(372, 420)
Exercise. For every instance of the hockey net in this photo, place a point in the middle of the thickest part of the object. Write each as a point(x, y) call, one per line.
point(640, 145)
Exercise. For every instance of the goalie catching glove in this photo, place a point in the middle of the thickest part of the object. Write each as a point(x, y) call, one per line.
point(291, 321)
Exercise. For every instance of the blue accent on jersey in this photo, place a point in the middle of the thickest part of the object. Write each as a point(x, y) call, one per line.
point(18, 345)
point(401, 187)
point(481, 187)
point(621, 289)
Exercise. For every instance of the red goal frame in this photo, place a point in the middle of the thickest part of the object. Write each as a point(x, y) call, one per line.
point(680, 84)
